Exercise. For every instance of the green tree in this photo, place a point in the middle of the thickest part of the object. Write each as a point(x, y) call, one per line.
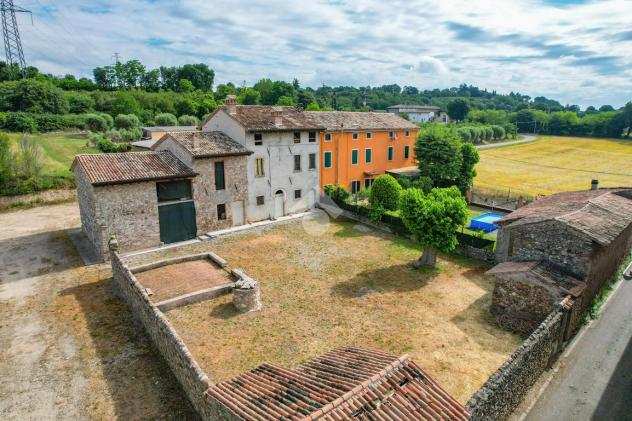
point(79, 102)
point(200, 76)
point(166, 119)
point(313, 106)
point(187, 120)
point(469, 159)
point(385, 192)
point(458, 109)
point(125, 103)
point(627, 117)
point(433, 219)
point(285, 101)
point(438, 151)
point(249, 96)
point(185, 85)
point(126, 121)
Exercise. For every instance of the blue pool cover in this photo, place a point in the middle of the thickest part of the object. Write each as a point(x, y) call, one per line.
point(485, 222)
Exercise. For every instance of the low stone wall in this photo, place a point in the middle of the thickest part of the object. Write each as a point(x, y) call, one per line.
point(193, 380)
point(484, 254)
point(40, 198)
point(504, 390)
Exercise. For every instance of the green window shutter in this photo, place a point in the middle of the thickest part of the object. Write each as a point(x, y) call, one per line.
point(327, 159)
point(354, 156)
point(220, 182)
point(406, 152)
point(368, 155)
point(390, 153)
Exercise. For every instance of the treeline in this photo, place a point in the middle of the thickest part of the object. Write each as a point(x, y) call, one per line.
point(606, 122)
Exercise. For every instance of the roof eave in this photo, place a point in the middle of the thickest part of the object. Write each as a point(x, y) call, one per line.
point(222, 155)
point(142, 180)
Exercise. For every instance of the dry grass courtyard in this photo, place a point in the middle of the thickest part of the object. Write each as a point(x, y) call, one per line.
point(346, 286)
point(553, 164)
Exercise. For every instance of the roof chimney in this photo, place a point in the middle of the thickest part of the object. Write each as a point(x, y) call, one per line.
point(594, 185)
point(277, 112)
point(231, 104)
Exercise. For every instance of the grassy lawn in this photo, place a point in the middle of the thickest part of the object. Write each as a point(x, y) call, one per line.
point(58, 151)
point(346, 285)
point(553, 164)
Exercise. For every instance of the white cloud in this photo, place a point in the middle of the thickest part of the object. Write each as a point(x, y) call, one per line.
point(522, 45)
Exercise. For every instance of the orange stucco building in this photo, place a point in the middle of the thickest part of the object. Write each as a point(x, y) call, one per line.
point(356, 147)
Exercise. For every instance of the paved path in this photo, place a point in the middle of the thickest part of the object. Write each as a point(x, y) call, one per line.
point(527, 138)
point(594, 381)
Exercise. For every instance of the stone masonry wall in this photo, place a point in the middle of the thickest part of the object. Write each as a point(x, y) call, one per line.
point(506, 388)
point(129, 212)
point(165, 339)
point(484, 254)
point(553, 241)
point(87, 204)
point(207, 197)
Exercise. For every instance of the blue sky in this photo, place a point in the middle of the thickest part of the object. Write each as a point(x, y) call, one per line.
point(574, 51)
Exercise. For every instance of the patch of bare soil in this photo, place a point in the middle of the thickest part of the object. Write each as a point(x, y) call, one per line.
point(68, 348)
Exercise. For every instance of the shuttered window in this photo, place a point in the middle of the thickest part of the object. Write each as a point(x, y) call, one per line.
point(220, 182)
point(368, 156)
point(327, 160)
point(390, 153)
point(354, 157)
point(259, 170)
point(406, 151)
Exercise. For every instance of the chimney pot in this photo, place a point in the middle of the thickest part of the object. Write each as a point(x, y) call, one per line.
point(594, 184)
point(231, 104)
point(276, 116)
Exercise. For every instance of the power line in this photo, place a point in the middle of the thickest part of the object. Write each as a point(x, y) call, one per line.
point(11, 34)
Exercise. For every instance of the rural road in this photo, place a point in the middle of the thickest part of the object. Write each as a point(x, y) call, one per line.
point(527, 138)
point(594, 381)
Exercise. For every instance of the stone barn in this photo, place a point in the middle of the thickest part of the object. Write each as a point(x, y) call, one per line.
point(572, 242)
point(190, 184)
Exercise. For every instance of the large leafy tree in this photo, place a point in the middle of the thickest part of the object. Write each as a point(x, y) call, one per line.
point(469, 159)
point(433, 219)
point(385, 192)
point(458, 109)
point(438, 154)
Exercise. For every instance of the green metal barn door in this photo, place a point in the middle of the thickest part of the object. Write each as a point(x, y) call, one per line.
point(176, 211)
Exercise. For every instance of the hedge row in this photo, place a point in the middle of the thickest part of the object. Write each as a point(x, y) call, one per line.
point(396, 224)
point(31, 122)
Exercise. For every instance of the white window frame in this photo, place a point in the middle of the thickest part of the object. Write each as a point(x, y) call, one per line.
point(328, 137)
point(369, 135)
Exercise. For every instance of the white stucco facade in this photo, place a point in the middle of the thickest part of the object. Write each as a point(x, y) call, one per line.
point(279, 185)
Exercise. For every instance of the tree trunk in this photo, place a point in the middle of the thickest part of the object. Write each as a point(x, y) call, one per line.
point(427, 259)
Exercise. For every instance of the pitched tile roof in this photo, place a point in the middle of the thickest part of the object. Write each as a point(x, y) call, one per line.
point(170, 128)
point(260, 118)
point(600, 214)
point(348, 383)
point(205, 144)
point(129, 167)
point(359, 120)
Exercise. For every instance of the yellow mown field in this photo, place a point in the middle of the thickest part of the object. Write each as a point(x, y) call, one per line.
point(553, 164)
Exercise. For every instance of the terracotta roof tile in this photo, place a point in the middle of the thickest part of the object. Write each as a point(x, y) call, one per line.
point(205, 144)
point(260, 118)
point(358, 120)
point(348, 383)
point(129, 167)
point(600, 214)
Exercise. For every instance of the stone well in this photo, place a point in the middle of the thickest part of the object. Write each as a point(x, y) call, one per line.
point(246, 294)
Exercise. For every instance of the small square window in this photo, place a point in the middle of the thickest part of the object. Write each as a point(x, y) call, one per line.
point(369, 135)
point(407, 133)
point(391, 135)
point(297, 194)
point(297, 137)
point(258, 139)
point(355, 135)
point(221, 212)
point(327, 137)
point(312, 137)
point(260, 200)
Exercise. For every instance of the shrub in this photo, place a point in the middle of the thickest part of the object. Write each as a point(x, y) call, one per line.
point(464, 133)
point(79, 102)
point(423, 183)
point(49, 122)
point(95, 123)
point(130, 135)
point(511, 130)
point(499, 132)
point(187, 120)
point(20, 122)
point(488, 133)
point(126, 121)
point(405, 182)
point(108, 119)
point(476, 134)
point(166, 119)
point(385, 192)
point(106, 145)
point(336, 192)
point(6, 160)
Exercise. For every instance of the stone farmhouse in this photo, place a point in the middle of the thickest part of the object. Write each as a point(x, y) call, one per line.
point(567, 244)
point(248, 163)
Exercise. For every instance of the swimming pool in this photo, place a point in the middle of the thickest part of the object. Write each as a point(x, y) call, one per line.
point(485, 222)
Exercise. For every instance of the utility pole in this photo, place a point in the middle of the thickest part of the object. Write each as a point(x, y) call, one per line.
point(117, 58)
point(11, 34)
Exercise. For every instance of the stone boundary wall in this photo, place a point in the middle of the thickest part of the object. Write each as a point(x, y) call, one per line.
point(484, 254)
point(165, 339)
point(505, 389)
point(47, 197)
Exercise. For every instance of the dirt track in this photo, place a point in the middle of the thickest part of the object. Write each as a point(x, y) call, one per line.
point(68, 348)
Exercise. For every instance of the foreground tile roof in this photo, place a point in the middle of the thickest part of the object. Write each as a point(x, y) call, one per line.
point(600, 214)
point(205, 144)
point(348, 383)
point(129, 167)
point(359, 120)
point(260, 118)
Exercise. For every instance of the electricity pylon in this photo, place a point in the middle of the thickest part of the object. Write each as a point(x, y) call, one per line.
point(11, 34)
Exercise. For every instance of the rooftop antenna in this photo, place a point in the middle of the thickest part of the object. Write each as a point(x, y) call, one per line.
point(11, 34)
